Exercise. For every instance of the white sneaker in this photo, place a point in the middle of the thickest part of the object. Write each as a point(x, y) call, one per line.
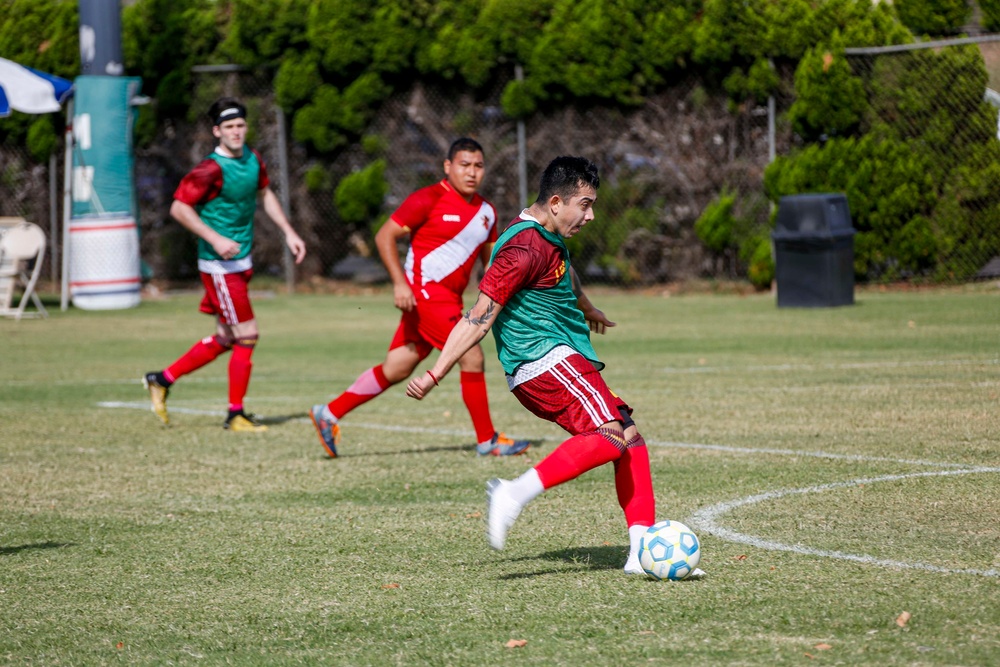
point(501, 512)
point(632, 565)
point(696, 573)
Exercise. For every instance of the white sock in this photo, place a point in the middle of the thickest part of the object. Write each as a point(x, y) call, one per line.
point(526, 488)
point(635, 534)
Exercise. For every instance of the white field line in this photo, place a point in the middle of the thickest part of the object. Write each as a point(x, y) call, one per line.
point(707, 518)
point(838, 366)
point(667, 369)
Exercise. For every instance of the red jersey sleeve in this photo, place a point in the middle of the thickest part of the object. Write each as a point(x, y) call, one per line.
point(262, 179)
point(416, 208)
point(201, 184)
point(518, 264)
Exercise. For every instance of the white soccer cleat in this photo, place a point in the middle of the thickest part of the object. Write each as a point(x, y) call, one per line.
point(501, 512)
point(696, 573)
point(632, 565)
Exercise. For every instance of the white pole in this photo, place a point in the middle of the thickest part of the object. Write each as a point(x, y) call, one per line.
point(67, 205)
point(54, 216)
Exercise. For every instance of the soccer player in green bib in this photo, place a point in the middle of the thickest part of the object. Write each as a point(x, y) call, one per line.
point(542, 321)
point(216, 201)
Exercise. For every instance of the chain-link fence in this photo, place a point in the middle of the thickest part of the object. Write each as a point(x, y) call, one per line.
point(926, 191)
point(31, 190)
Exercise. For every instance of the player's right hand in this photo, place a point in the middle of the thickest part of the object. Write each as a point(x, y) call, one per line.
point(226, 248)
point(403, 297)
point(420, 386)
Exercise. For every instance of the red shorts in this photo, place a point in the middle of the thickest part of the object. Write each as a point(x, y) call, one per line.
point(226, 295)
point(572, 394)
point(430, 322)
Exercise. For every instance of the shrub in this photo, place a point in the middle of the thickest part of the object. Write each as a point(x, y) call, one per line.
point(360, 194)
point(933, 17)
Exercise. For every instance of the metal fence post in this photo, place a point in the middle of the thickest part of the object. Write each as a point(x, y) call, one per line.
point(285, 196)
point(522, 150)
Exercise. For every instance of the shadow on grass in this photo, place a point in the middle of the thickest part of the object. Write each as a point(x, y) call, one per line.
point(281, 419)
point(582, 558)
point(431, 450)
point(10, 551)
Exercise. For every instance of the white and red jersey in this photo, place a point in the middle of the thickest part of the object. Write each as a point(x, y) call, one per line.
point(447, 234)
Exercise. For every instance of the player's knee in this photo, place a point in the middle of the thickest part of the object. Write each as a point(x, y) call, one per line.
point(223, 341)
point(613, 433)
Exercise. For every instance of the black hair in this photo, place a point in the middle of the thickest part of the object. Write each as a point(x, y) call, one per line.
point(226, 108)
point(464, 144)
point(566, 175)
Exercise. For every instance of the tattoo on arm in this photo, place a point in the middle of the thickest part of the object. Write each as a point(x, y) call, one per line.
point(485, 319)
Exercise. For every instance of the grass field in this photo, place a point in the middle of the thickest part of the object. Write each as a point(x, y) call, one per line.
point(841, 467)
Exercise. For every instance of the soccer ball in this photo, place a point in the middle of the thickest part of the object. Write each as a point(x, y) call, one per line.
point(669, 550)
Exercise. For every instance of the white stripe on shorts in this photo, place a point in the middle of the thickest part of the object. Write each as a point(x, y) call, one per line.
point(588, 397)
point(225, 299)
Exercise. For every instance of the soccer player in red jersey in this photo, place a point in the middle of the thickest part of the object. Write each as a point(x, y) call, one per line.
point(542, 321)
point(450, 227)
point(216, 201)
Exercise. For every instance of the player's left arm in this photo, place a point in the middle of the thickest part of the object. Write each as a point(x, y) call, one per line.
point(595, 317)
point(277, 214)
point(469, 330)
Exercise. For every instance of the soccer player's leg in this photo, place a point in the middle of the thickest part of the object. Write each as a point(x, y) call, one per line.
point(634, 486)
point(202, 353)
point(406, 350)
point(236, 318)
point(573, 395)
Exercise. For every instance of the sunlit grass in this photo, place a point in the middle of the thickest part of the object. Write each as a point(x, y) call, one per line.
point(122, 541)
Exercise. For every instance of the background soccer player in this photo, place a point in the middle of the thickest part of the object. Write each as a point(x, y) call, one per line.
point(552, 370)
point(450, 226)
point(216, 201)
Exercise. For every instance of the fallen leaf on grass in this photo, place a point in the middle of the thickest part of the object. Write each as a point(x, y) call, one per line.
point(809, 655)
point(516, 643)
point(392, 585)
point(822, 647)
point(120, 645)
point(647, 632)
point(474, 515)
point(903, 619)
point(740, 557)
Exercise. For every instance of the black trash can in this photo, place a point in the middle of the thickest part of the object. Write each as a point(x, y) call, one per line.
point(814, 251)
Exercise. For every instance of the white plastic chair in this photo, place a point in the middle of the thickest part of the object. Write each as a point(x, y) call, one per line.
point(19, 245)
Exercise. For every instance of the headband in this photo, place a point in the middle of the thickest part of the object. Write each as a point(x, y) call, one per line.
point(230, 114)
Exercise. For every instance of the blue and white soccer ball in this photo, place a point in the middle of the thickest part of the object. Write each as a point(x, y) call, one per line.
point(669, 550)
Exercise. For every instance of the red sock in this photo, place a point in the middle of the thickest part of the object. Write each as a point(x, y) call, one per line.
point(574, 457)
point(369, 384)
point(634, 484)
point(239, 371)
point(478, 404)
point(203, 352)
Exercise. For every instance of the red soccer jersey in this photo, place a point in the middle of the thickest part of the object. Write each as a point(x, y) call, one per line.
point(446, 235)
point(203, 183)
point(526, 261)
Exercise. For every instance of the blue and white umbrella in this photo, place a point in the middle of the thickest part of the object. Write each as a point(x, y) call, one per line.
point(29, 91)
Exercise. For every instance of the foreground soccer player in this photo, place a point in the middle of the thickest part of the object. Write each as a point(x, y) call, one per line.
point(216, 201)
point(540, 319)
point(450, 227)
